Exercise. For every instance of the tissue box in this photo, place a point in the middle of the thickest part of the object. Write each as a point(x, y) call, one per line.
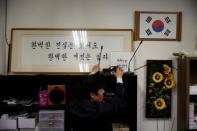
point(27, 122)
point(8, 124)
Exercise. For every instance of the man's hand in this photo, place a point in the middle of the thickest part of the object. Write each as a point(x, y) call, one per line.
point(119, 73)
point(96, 68)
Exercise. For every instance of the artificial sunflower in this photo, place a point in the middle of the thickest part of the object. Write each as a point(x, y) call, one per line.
point(170, 76)
point(160, 103)
point(157, 77)
point(169, 83)
point(167, 69)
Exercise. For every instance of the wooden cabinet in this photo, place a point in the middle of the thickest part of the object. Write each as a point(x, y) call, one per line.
point(187, 76)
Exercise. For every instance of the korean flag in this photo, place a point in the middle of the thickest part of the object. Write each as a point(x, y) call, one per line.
point(158, 26)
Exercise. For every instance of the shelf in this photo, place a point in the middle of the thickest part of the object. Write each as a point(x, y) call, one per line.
point(34, 107)
point(193, 98)
point(193, 71)
point(187, 76)
point(53, 107)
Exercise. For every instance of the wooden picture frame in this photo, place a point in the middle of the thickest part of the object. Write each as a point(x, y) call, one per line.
point(158, 26)
point(70, 51)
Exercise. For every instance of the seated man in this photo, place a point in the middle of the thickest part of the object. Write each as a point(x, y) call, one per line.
point(92, 113)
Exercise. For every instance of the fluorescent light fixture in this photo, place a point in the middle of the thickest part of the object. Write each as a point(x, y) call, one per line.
point(84, 67)
point(80, 37)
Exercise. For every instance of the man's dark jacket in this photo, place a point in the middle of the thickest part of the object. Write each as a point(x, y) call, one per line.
point(88, 116)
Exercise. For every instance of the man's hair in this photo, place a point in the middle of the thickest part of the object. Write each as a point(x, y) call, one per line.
point(92, 84)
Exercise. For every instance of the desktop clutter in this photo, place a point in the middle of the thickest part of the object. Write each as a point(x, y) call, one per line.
point(42, 120)
point(45, 120)
point(20, 120)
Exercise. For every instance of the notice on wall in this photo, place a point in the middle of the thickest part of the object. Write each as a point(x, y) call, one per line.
point(122, 60)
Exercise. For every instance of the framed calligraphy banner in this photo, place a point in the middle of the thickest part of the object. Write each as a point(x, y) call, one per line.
point(70, 51)
point(158, 26)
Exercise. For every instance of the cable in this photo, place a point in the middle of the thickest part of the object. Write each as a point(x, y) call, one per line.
point(139, 68)
point(172, 123)
point(157, 125)
point(133, 55)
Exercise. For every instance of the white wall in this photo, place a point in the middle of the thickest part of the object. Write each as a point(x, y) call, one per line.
point(2, 37)
point(113, 14)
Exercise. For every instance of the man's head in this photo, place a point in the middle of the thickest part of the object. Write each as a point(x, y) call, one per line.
point(95, 88)
point(98, 96)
